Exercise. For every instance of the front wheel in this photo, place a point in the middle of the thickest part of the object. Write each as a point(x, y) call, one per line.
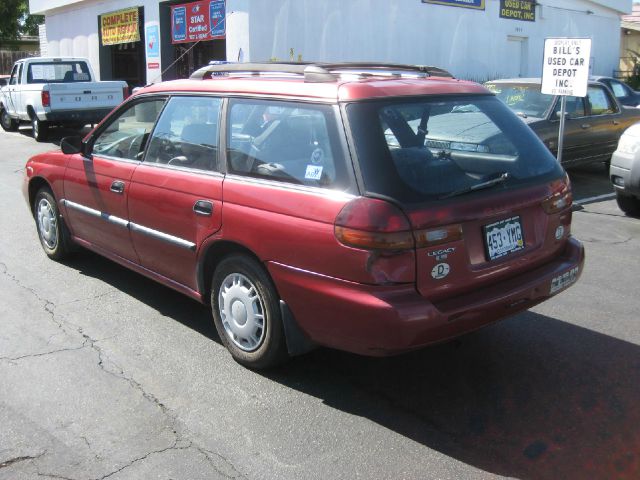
point(628, 204)
point(8, 124)
point(246, 312)
point(52, 232)
point(39, 128)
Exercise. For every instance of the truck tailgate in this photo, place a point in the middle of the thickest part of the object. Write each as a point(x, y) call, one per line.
point(85, 95)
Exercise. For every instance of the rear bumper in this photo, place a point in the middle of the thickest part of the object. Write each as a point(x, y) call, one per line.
point(77, 116)
point(381, 320)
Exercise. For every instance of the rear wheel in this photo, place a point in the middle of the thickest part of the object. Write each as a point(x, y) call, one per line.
point(246, 312)
point(628, 204)
point(40, 129)
point(8, 124)
point(52, 231)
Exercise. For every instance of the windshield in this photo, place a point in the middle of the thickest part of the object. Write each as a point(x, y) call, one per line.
point(58, 72)
point(525, 99)
point(429, 148)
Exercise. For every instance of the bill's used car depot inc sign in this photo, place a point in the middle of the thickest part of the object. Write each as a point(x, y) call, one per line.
point(120, 27)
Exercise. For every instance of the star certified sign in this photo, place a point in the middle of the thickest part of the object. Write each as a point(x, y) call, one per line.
point(566, 66)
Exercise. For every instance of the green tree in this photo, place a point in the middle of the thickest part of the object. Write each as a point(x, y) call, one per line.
point(15, 19)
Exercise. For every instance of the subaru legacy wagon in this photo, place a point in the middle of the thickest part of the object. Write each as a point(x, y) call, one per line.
point(366, 207)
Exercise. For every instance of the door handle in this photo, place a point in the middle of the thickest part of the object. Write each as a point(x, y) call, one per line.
point(117, 186)
point(585, 126)
point(616, 122)
point(203, 207)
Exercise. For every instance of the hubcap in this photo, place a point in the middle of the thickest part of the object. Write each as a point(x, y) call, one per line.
point(47, 223)
point(36, 127)
point(242, 312)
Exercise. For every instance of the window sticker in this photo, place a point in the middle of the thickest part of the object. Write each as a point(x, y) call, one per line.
point(314, 172)
point(317, 156)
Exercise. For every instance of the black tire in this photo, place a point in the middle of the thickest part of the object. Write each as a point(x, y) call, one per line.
point(628, 204)
point(240, 286)
point(52, 231)
point(40, 129)
point(8, 124)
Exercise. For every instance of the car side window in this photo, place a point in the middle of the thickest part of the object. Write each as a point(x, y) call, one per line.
point(187, 134)
point(574, 109)
point(618, 88)
point(290, 142)
point(14, 75)
point(125, 136)
point(599, 101)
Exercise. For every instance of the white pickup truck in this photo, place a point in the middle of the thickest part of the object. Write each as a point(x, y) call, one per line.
point(56, 91)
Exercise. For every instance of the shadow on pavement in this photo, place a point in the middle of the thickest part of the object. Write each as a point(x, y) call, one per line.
point(164, 300)
point(531, 397)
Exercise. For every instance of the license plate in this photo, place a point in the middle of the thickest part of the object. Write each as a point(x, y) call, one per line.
point(563, 281)
point(503, 237)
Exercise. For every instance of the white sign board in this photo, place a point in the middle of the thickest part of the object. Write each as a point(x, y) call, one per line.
point(566, 66)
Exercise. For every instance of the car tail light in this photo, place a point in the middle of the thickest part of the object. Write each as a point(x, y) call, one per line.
point(373, 224)
point(561, 198)
point(46, 98)
point(437, 236)
point(125, 93)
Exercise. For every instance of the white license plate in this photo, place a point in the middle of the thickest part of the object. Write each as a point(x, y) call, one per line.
point(564, 280)
point(503, 237)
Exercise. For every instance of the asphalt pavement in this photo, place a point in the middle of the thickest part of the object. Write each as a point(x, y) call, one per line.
point(106, 374)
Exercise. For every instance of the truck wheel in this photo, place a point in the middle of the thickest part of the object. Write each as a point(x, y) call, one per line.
point(246, 313)
point(40, 129)
point(8, 123)
point(628, 204)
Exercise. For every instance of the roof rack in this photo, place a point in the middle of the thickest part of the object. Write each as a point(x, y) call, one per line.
point(319, 72)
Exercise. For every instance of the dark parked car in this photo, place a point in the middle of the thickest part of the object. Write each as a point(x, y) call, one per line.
point(593, 123)
point(623, 92)
point(370, 208)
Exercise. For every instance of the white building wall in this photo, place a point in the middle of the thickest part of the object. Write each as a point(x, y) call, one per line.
point(469, 43)
point(73, 30)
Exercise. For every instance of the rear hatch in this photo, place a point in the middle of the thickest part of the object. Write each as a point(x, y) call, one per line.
point(484, 197)
point(85, 95)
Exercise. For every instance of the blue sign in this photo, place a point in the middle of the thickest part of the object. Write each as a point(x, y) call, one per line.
point(216, 14)
point(153, 41)
point(179, 24)
point(476, 4)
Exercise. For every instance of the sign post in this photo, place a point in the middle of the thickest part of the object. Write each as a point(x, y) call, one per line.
point(565, 72)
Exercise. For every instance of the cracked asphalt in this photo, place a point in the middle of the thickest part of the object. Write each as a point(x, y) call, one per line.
point(105, 374)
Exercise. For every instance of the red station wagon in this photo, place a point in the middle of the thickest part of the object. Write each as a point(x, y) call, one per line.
point(370, 208)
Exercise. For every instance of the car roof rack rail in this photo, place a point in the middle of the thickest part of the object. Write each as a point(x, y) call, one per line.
point(319, 72)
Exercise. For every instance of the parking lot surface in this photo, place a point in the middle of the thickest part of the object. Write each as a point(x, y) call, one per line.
point(106, 374)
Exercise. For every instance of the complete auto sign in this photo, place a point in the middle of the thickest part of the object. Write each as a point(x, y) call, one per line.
point(566, 66)
point(198, 21)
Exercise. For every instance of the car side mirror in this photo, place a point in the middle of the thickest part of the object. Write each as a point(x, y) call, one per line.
point(71, 145)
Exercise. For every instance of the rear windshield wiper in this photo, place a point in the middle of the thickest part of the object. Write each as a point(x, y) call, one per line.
point(503, 177)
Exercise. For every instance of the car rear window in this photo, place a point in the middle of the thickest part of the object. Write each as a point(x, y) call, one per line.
point(429, 148)
point(58, 72)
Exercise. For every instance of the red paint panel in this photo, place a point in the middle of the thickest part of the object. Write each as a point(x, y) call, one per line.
point(87, 182)
point(162, 199)
point(296, 227)
point(384, 320)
